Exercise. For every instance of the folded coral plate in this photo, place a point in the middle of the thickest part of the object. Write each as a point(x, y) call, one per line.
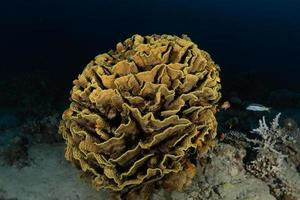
point(140, 114)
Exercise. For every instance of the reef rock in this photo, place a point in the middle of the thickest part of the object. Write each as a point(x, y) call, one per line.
point(230, 180)
point(221, 175)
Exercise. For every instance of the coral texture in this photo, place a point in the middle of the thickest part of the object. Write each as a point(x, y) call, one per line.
point(140, 114)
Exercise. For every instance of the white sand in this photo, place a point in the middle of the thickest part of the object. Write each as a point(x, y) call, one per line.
point(49, 177)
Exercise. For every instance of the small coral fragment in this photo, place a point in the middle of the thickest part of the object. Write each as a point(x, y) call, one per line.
point(137, 112)
point(178, 181)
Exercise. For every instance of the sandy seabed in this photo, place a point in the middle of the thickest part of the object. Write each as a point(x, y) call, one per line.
point(48, 177)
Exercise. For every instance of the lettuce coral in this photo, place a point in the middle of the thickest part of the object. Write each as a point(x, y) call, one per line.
point(141, 114)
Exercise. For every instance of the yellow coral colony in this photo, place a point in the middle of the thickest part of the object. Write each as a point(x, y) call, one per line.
point(141, 114)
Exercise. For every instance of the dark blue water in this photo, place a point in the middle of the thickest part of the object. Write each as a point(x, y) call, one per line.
point(258, 37)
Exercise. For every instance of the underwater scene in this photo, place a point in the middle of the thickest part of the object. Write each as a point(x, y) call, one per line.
point(150, 100)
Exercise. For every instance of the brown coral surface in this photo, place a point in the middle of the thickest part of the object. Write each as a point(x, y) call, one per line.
point(138, 114)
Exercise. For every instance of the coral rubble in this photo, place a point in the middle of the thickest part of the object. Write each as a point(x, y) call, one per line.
point(141, 114)
point(16, 153)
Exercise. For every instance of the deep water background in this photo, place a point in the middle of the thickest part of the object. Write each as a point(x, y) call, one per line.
point(46, 44)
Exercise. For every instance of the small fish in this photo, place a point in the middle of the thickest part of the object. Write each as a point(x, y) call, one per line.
point(225, 106)
point(257, 108)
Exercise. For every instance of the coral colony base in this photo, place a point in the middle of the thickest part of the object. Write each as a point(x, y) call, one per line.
point(141, 115)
